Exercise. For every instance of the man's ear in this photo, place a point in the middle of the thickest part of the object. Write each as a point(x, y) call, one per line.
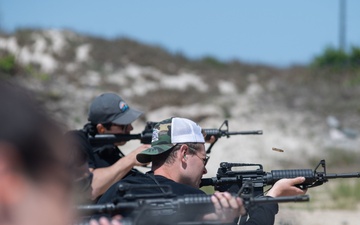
point(183, 152)
point(100, 128)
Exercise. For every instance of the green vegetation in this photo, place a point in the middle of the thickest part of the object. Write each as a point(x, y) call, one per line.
point(337, 59)
point(35, 72)
point(214, 62)
point(9, 68)
point(7, 64)
point(346, 194)
point(208, 190)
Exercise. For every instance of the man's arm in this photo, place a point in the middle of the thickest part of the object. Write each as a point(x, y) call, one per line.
point(286, 187)
point(103, 178)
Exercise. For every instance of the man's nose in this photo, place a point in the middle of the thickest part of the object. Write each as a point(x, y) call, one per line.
point(205, 170)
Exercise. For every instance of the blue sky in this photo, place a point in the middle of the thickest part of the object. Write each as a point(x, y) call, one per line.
point(277, 32)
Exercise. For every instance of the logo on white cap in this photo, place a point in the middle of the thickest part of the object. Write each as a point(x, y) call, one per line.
point(155, 135)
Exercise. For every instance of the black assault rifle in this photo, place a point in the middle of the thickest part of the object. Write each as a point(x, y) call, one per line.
point(218, 133)
point(229, 180)
point(166, 208)
point(146, 135)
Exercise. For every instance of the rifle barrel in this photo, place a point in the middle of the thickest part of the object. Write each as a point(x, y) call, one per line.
point(108, 208)
point(245, 132)
point(215, 181)
point(298, 198)
point(113, 138)
point(217, 132)
point(342, 175)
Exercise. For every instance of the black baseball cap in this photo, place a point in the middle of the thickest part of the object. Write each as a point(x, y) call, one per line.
point(111, 108)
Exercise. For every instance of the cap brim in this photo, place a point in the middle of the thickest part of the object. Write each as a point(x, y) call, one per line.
point(146, 155)
point(128, 117)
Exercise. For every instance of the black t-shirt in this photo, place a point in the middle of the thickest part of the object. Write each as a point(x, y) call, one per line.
point(97, 156)
point(147, 179)
point(263, 214)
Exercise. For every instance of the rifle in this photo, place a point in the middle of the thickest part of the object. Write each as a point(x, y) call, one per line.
point(166, 208)
point(218, 133)
point(145, 136)
point(232, 181)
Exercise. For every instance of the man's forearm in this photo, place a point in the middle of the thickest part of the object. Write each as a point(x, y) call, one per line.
point(103, 178)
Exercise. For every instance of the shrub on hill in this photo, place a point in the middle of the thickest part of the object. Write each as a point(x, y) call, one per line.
point(338, 59)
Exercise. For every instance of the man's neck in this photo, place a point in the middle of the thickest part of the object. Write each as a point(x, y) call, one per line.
point(167, 172)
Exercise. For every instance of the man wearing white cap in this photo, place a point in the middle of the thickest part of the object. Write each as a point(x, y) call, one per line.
point(108, 114)
point(178, 160)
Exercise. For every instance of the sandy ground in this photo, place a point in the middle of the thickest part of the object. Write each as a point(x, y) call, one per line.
point(317, 217)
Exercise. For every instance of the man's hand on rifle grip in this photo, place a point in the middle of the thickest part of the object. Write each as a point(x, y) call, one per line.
point(287, 187)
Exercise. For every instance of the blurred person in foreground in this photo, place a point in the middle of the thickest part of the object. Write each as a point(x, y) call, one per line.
point(36, 174)
point(35, 177)
point(108, 114)
point(178, 159)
